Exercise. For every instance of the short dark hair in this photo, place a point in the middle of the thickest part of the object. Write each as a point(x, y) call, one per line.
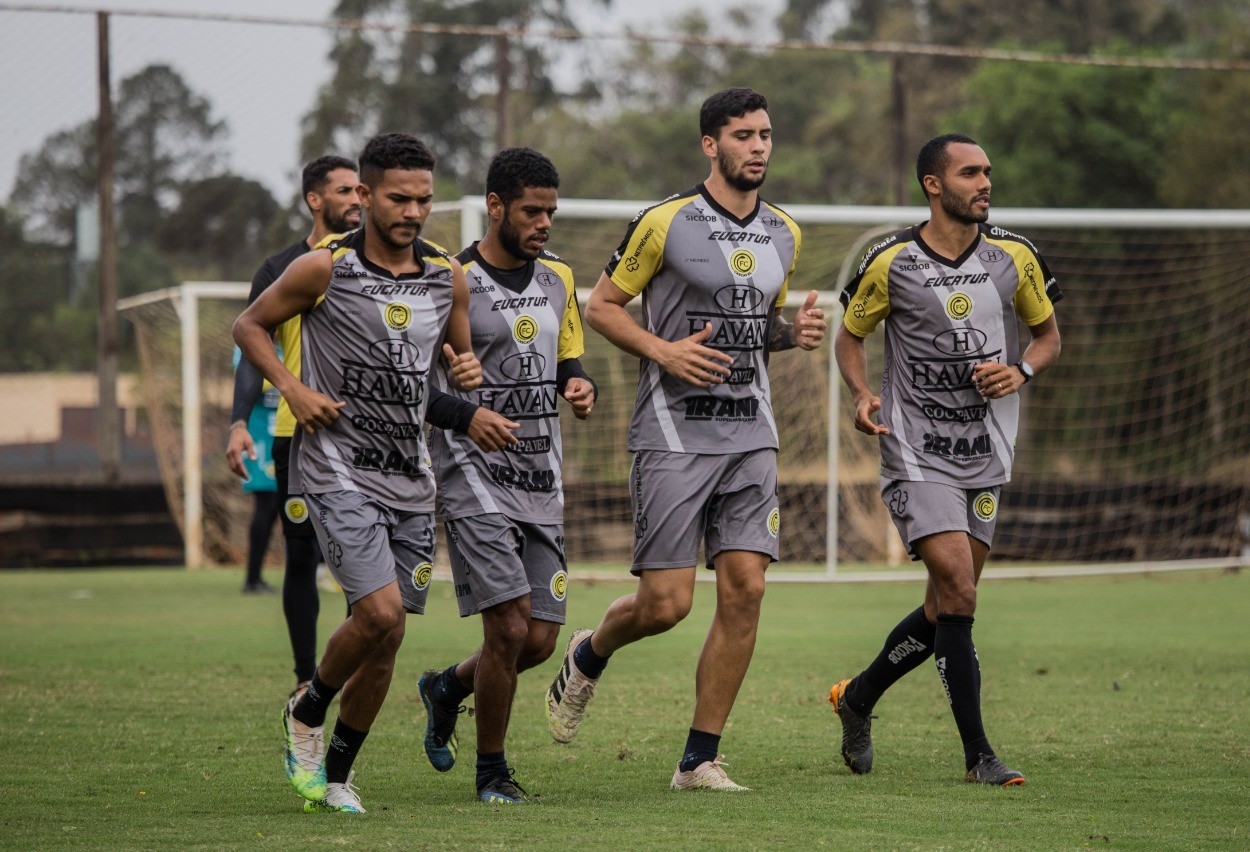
point(317, 173)
point(393, 151)
point(933, 158)
point(726, 104)
point(513, 170)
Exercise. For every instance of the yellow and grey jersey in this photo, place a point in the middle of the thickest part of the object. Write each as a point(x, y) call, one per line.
point(941, 318)
point(370, 342)
point(695, 263)
point(523, 325)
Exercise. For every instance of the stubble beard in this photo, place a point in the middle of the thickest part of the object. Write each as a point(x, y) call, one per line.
point(738, 180)
point(962, 211)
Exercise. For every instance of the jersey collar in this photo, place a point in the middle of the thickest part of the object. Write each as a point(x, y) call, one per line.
point(741, 223)
point(945, 261)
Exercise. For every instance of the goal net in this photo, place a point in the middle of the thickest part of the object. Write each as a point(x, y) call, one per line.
point(1133, 453)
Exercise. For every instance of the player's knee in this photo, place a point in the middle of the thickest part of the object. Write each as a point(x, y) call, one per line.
point(507, 635)
point(958, 600)
point(376, 624)
point(665, 615)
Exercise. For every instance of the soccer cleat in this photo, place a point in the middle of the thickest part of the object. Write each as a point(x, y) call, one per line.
point(343, 798)
point(708, 775)
point(441, 742)
point(305, 755)
point(856, 731)
point(569, 693)
point(502, 790)
point(990, 770)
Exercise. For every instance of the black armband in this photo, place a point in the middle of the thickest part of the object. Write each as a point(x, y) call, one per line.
point(571, 368)
point(444, 411)
point(248, 385)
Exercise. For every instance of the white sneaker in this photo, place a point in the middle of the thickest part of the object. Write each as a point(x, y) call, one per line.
point(569, 693)
point(305, 754)
point(339, 797)
point(326, 581)
point(708, 775)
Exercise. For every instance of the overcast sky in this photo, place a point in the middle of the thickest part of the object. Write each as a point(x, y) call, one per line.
point(260, 79)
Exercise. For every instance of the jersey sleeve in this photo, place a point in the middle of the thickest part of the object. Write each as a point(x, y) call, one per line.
point(572, 342)
point(794, 262)
point(1037, 291)
point(641, 254)
point(867, 298)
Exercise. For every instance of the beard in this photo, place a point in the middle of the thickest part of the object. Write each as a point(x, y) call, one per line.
point(510, 240)
point(340, 225)
point(738, 180)
point(386, 234)
point(962, 211)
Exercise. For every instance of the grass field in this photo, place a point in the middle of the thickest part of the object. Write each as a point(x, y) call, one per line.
point(140, 710)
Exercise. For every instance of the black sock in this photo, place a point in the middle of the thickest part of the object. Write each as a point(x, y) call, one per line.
point(961, 678)
point(448, 690)
point(313, 705)
point(909, 644)
point(344, 745)
point(700, 748)
point(301, 604)
point(588, 662)
point(490, 766)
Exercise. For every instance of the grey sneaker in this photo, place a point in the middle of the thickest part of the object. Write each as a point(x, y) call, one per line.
point(502, 790)
point(990, 770)
point(856, 731)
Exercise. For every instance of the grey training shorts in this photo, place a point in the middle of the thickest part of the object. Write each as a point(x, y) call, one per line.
point(727, 502)
point(920, 509)
point(368, 545)
point(496, 559)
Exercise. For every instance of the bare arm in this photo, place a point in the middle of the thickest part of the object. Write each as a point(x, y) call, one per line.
point(848, 349)
point(686, 359)
point(995, 380)
point(807, 331)
point(463, 368)
point(295, 292)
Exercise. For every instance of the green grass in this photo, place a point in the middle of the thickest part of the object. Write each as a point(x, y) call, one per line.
point(140, 710)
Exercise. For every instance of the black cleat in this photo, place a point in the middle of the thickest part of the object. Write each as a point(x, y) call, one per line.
point(502, 790)
point(441, 742)
point(856, 731)
point(990, 770)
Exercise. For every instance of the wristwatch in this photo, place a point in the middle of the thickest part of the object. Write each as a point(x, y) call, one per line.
point(1025, 370)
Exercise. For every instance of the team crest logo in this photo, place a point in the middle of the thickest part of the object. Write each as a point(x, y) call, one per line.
point(296, 510)
point(774, 522)
point(525, 329)
point(985, 506)
point(742, 262)
point(421, 576)
point(959, 306)
point(398, 316)
point(559, 585)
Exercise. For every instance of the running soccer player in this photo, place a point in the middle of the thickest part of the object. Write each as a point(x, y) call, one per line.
point(375, 307)
point(948, 292)
point(504, 513)
point(713, 266)
point(329, 186)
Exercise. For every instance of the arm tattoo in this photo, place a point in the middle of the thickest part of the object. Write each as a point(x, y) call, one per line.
point(782, 335)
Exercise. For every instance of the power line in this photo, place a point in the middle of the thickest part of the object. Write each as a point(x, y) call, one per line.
point(881, 48)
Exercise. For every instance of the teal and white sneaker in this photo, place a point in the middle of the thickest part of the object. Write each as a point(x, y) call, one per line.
point(343, 798)
point(441, 742)
point(305, 755)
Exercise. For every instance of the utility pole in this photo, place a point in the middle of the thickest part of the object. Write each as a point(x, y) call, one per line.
point(503, 87)
point(898, 131)
point(106, 351)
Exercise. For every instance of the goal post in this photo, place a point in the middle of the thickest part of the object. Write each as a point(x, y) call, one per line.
point(1134, 455)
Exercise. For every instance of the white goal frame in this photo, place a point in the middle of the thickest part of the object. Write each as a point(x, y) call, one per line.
point(875, 220)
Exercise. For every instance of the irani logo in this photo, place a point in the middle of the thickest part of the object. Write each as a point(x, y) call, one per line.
point(559, 585)
point(774, 522)
point(421, 576)
point(525, 329)
point(398, 316)
point(296, 510)
point(959, 306)
point(742, 262)
point(985, 506)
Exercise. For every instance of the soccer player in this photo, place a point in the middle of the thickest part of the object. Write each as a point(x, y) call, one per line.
point(329, 186)
point(504, 513)
point(376, 306)
point(948, 292)
point(712, 265)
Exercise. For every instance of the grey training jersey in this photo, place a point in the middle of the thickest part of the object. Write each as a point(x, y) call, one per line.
point(942, 317)
point(518, 336)
point(370, 342)
point(693, 262)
